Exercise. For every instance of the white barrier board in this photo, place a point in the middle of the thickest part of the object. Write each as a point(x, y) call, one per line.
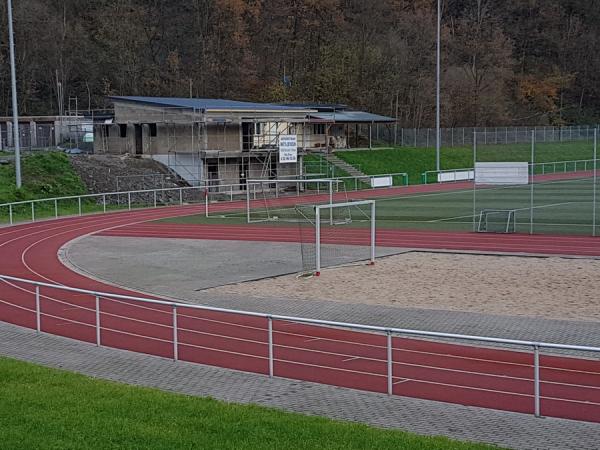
point(381, 182)
point(459, 175)
point(502, 173)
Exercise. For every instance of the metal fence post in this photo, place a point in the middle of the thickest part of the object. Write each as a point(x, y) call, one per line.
point(79, 205)
point(10, 214)
point(595, 179)
point(55, 208)
point(536, 380)
point(175, 342)
point(98, 341)
point(129, 201)
point(180, 196)
point(33, 211)
point(154, 195)
point(532, 181)
point(270, 328)
point(317, 241)
point(390, 365)
point(104, 202)
point(38, 311)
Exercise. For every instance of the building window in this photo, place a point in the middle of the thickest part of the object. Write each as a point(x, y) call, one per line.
point(319, 128)
point(123, 130)
point(153, 130)
point(257, 128)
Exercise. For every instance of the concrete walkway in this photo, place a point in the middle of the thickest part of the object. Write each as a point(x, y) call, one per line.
point(505, 429)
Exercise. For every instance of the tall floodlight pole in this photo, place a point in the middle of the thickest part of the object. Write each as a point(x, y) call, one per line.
point(437, 90)
point(14, 95)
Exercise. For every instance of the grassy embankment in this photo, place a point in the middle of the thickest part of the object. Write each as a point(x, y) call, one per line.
point(44, 175)
point(48, 408)
point(415, 161)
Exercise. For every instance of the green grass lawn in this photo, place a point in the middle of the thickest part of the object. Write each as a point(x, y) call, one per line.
point(47, 408)
point(415, 161)
point(44, 175)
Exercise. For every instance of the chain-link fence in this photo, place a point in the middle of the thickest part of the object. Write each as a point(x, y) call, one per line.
point(463, 137)
point(526, 192)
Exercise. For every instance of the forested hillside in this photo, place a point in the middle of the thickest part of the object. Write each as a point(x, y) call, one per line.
point(505, 62)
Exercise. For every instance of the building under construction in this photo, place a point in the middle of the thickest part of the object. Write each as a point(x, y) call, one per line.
point(222, 142)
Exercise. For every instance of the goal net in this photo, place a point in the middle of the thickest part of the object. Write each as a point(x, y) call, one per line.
point(274, 200)
point(497, 221)
point(336, 234)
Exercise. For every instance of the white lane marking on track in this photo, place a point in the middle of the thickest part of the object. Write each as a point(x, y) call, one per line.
point(354, 358)
point(403, 380)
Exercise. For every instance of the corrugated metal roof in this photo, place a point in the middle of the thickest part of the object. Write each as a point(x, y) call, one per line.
point(208, 104)
point(351, 117)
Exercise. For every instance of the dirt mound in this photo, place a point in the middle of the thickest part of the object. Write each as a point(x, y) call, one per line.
point(110, 173)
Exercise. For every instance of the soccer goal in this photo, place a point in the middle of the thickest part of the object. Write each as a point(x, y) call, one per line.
point(335, 234)
point(497, 221)
point(274, 200)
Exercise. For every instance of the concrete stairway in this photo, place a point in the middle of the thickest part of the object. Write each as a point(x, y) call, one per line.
point(340, 163)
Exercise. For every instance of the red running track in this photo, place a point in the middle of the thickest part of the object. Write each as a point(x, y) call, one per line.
point(464, 374)
point(435, 240)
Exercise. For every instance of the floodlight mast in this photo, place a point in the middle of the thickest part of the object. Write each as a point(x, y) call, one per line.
point(14, 96)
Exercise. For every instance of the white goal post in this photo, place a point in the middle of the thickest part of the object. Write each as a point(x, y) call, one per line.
point(319, 209)
point(263, 195)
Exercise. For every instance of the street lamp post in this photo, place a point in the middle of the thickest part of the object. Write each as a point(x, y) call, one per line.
point(13, 75)
point(437, 91)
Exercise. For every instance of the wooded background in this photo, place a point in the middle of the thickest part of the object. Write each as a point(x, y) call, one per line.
point(505, 62)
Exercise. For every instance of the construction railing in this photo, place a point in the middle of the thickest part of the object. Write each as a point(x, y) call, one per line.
point(396, 361)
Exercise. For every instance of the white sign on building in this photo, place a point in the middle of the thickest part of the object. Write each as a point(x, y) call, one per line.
point(288, 148)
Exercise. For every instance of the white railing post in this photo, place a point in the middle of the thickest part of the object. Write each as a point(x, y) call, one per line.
point(390, 364)
point(175, 342)
point(180, 196)
point(38, 310)
point(79, 205)
point(536, 380)
point(98, 341)
point(373, 233)
point(55, 208)
point(270, 328)
point(317, 241)
point(10, 214)
point(33, 211)
point(129, 201)
point(206, 202)
point(103, 202)
point(154, 194)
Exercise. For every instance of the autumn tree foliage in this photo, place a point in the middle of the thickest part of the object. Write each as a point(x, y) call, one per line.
point(504, 62)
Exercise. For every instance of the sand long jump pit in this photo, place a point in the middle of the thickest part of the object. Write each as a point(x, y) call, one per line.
point(191, 269)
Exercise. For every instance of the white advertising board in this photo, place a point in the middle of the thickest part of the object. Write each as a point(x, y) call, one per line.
point(288, 148)
point(381, 182)
point(459, 175)
point(502, 173)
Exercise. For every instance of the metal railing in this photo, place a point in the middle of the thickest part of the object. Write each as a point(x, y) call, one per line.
point(538, 167)
point(176, 339)
point(77, 205)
